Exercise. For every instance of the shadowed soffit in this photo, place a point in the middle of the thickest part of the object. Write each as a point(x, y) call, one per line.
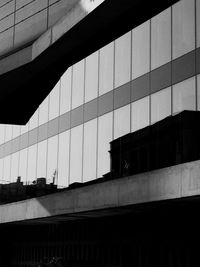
point(24, 88)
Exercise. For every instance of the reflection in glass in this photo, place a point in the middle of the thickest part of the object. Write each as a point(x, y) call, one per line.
point(106, 68)
point(6, 169)
point(161, 39)
point(42, 159)
point(89, 150)
point(65, 91)
point(160, 105)
point(183, 27)
point(8, 132)
point(52, 168)
point(16, 130)
point(198, 22)
point(121, 121)
point(184, 95)
point(140, 49)
point(122, 59)
point(140, 114)
point(91, 77)
point(63, 159)
point(14, 166)
point(2, 133)
point(31, 171)
point(78, 84)
point(33, 122)
point(105, 132)
point(76, 154)
point(23, 156)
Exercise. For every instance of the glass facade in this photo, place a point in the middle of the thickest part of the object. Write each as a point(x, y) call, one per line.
point(133, 82)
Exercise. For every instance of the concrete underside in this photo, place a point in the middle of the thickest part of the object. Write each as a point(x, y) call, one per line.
point(172, 183)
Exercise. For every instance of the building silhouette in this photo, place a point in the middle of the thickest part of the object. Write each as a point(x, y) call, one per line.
point(101, 99)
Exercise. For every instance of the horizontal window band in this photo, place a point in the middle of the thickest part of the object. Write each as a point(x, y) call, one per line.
point(167, 75)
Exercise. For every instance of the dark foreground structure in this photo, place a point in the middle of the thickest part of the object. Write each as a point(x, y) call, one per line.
point(99, 113)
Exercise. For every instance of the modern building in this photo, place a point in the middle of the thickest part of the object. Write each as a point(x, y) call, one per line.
point(139, 74)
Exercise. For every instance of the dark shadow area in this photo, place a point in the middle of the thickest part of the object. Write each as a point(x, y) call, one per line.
point(156, 234)
point(23, 89)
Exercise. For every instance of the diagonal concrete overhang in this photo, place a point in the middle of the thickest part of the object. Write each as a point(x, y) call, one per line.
point(28, 76)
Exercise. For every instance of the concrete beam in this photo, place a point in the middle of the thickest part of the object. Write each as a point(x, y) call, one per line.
point(174, 182)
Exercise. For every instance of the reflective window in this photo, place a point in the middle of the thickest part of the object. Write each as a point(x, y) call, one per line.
point(54, 102)
point(91, 77)
point(105, 132)
point(52, 168)
point(23, 156)
point(122, 59)
point(2, 181)
point(106, 69)
point(63, 159)
point(76, 154)
point(43, 111)
point(160, 105)
point(33, 122)
point(121, 121)
point(90, 150)
point(140, 114)
point(78, 84)
point(183, 27)
point(161, 39)
point(31, 171)
point(14, 166)
point(16, 131)
point(42, 159)
point(65, 91)
point(2, 133)
point(140, 49)
point(6, 9)
point(6, 40)
point(6, 168)
point(8, 132)
point(184, 95)
point(24, 128)
point(198, 22)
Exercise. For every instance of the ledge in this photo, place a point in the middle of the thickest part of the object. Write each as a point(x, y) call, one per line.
point(175, 182)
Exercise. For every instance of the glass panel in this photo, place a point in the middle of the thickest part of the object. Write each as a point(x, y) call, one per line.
point(24, 128)
point(122, 59)
point(52, 168)
point(65, 91)
point(161, 39)
point(140, 114)
point(121, 121)
point(43, 111)
point(183, 27)
point(31, 171)
point(91, 77)
point(63, 159)
point(184, 95)
point(23, 164)
point(78, 84)
point(14, 166)
point(6, 9)
point(16, 130)
point(76, 154)
point(33, 122)
point(2, 181)
point(2, 133)
point(198, 22)
point(89, 150)
point(42, 159)
point(6, 169)
point(106, 69)
point(160, 105)
point(140, 50)
point(8, 133)
point(54, 102)
point(105, 132)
